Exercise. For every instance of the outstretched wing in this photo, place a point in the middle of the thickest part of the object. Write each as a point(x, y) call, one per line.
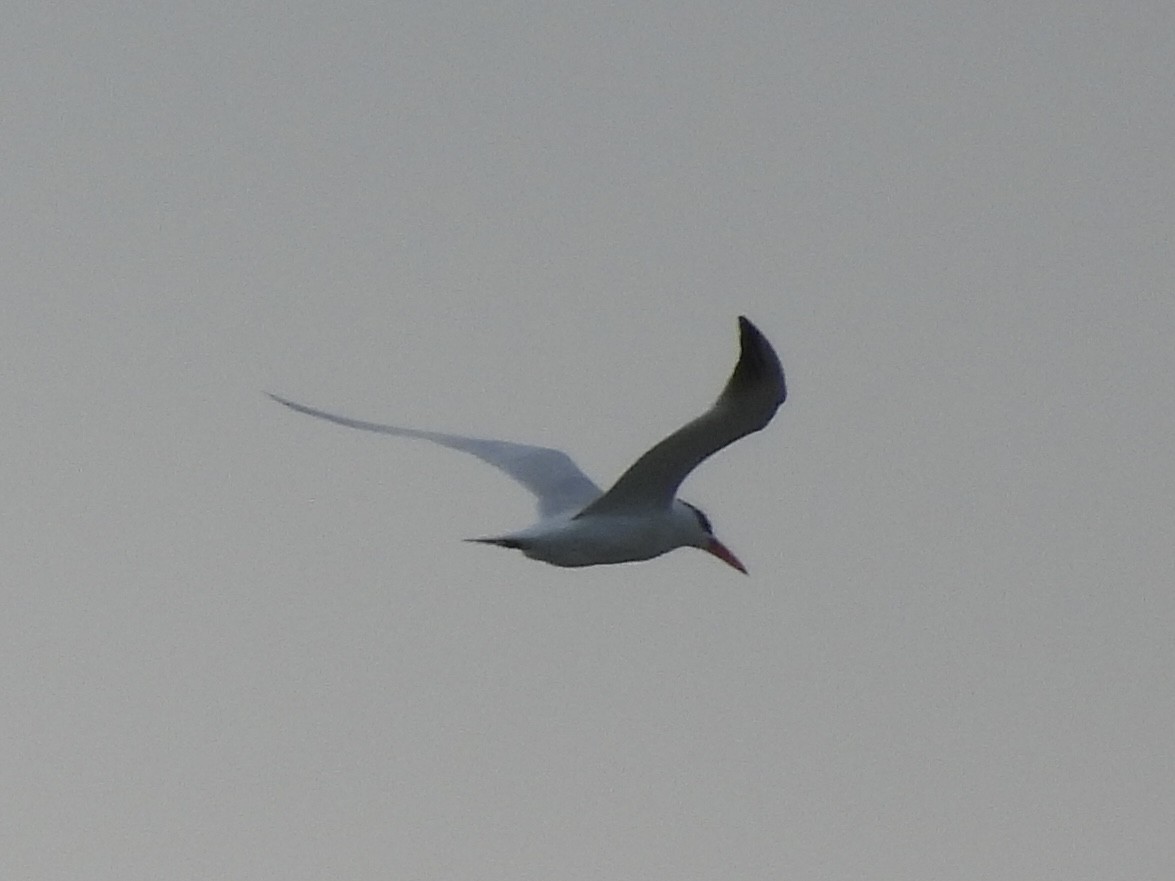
point(556, 482)
point(752, 395)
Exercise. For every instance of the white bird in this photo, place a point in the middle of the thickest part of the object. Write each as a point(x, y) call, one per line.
point(639, 517)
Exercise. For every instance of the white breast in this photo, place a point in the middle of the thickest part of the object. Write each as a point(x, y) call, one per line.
point(589, 541)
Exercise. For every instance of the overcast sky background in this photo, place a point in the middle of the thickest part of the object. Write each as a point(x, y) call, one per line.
point(241, 643)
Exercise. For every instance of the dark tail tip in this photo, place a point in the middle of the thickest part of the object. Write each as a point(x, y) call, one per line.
point(512, 543)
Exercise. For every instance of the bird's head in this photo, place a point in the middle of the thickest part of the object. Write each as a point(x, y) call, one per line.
point(699, 533)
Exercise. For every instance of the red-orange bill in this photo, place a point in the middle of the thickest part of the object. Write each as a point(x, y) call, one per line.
point(722, 552)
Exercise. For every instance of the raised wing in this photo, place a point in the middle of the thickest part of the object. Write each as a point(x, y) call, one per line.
point(752, 395)
point(556, 482)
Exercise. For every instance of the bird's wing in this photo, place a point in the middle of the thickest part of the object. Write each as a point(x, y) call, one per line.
point(556, 482)
point(752, 395)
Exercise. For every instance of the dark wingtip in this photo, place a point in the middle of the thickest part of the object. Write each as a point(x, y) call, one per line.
point(757, 359)
point(284, 402)
point(748, 334)
point(297, 408)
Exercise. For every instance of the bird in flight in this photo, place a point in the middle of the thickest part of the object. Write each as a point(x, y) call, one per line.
point(640, 517)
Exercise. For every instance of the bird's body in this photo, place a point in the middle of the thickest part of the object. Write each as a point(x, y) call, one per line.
point(568, 540)
point(639, 517)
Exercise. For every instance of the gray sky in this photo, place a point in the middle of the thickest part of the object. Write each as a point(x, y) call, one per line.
point(240, 643)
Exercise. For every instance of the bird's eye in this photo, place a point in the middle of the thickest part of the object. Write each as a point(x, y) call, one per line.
point(703, 520)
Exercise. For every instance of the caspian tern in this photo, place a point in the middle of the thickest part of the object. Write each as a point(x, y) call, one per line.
point(639, 517)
